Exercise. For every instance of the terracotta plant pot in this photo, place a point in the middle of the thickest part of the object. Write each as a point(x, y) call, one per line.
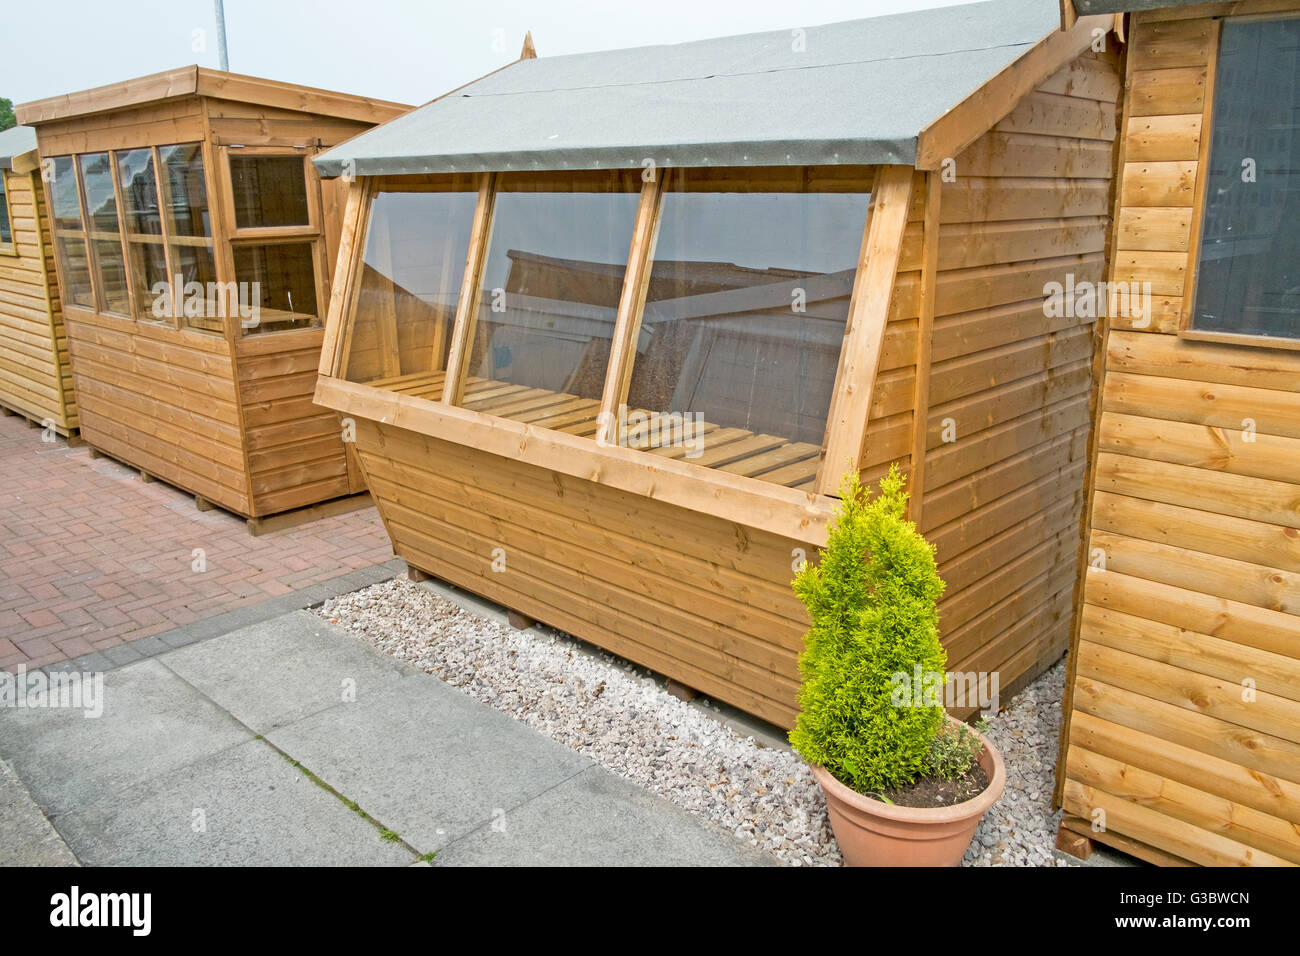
point(874, 833)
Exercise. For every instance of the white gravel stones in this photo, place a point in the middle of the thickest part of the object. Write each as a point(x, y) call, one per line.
point(1020, 829)
point(623, 719)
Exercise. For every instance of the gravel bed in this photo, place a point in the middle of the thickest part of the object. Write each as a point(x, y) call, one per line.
point(1020, 829)
point(621, 717)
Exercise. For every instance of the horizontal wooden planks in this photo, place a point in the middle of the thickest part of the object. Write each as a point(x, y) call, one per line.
point(33, 350)
point(696, 597)
point(1008, 419)
point(162, 401)
point(1184, 708)
point(295, 451)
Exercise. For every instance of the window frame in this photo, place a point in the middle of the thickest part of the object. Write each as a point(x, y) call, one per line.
point(93, 237)
point(214, 241)
point(81, 234)
point(9, 248)
point(1200, 200)
point(127, 235)
point(468, 306)
point(346, 285)
point(892, 190)
point(313, 232)
point(164, 237)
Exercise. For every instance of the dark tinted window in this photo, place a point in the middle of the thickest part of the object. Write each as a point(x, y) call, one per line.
point(1248, 279)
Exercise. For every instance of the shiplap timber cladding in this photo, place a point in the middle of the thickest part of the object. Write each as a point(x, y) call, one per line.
point(1008, 404)
point(227, 417)
point(35, 378)
point(687, 570)
point(1193, 583)
point(1169, 101)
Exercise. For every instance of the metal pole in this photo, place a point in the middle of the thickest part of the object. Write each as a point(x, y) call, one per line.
point(221, 34)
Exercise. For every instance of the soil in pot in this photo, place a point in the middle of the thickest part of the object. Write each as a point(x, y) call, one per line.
point(937, 791)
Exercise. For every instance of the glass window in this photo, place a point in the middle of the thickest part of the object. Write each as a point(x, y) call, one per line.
point(142, 218)
point(549, 296)
point(105, 240)
point(189, 232)
point(69, 234)
point(6, 229)
point(281, 283)
point(745, 314)
point(187, 211)
point(279, 276)
point(270, 191)
point(1248, 275)
point(408, 287)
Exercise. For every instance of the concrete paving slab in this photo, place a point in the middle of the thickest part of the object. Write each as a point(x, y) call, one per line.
point(26, 837)
point(256, 810)
point(599, 819)
point(153, 722)
point(428, 760)
point(279, 671)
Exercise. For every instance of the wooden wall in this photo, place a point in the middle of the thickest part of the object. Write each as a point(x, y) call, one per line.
point(35, 378)
point(1027, 204)
point(1193, 585)
point(163, 401)
point(158, 124)
point(703, 600)
point(295, 448)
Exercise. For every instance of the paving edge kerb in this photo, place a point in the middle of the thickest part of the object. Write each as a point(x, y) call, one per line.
point(227, 621)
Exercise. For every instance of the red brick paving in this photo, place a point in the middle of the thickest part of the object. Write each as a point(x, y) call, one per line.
point(92, 557)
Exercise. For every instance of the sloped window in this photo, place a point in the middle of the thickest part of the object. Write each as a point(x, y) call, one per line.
point(142, 220)
point(1248, 276)
point(70, 234)
point(105, 238)
point(408, 287)
point(189, 238)
point(548, 297)
point(744, 318)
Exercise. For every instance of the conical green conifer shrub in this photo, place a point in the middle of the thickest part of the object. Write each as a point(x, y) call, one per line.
point(873, 602)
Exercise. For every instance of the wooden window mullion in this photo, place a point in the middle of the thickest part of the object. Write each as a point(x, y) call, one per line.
point(467, 307)
point(128, 276)
point(340, 317)
point(631, 305)
point(864, 337)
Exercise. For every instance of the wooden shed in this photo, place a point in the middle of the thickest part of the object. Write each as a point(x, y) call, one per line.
point(613, 326)
point(35, 380)
point(1182, 716)
point(193, 241)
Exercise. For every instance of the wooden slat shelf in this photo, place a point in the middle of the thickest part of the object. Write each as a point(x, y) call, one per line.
point(735, 450)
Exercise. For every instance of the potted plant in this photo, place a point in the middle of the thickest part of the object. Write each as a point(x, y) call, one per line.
point(905, 784)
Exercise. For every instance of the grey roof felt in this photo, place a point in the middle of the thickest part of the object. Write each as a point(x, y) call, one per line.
point(858, 92)
point(14, 142)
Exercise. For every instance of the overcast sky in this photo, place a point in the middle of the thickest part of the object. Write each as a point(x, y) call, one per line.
point(404, 50)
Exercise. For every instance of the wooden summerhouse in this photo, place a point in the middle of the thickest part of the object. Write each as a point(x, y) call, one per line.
point(193, 241)
point(612, 327)
point(1182, 713)
point(35, 380)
